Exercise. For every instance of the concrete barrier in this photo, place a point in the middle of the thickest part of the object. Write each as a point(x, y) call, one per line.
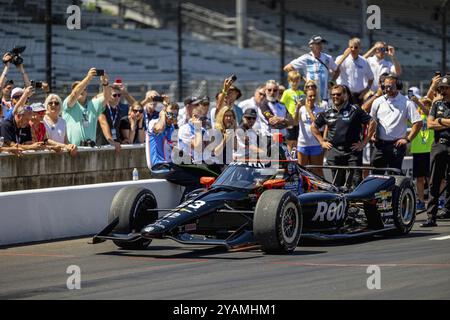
point(56, 213)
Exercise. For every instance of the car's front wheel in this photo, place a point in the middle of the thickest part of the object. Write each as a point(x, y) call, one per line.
point(130, 205)
point(277, 222)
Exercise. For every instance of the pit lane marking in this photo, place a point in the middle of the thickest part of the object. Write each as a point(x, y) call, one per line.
point(441, 238)
point(356, 265)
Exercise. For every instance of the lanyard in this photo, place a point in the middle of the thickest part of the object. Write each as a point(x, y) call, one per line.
point(113, 115)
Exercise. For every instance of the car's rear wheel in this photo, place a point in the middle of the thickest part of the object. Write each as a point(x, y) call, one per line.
point(277, 224)
point(404, 205)
point(130, 205)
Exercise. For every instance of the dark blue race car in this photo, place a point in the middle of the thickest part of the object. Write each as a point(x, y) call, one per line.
point(272, 205)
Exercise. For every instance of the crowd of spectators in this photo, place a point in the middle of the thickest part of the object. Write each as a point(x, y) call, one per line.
point(332, 108)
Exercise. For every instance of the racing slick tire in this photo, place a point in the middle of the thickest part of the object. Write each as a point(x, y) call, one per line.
point(404, 205)
point(278, 221)
point(130, 205)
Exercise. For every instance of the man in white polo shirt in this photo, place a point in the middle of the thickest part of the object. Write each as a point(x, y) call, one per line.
point(355, 71)
point(379, 65)
point(391, 113)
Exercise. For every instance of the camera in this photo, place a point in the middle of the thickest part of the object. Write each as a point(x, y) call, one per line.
point(36, 84)
point(88, 143)
point(100, 72)
point(16, 56)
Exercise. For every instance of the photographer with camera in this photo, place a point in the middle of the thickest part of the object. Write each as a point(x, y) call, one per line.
point(379, 65)
point(81, 114)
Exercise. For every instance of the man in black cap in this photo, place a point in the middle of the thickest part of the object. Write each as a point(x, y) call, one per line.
point(186, 113)
point(316, 65)
point(247, 137)
point(439, 121)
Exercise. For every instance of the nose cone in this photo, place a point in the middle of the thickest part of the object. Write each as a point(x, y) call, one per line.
point(153, 231)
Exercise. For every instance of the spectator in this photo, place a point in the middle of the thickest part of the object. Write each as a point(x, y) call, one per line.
point(291, 98)
point(159, 138)
point(228, 97)
point(110, 119)
point(193, 135)
point(439, 121)
point(309, 150)
point(379, 65)
point(355, 71)
point(255, 101)
point(273, 114)
point(81, 114)
point(311, 85)
point(132, 127)
point(391, 114)
point(246, 136)
point(6, 97)
point(343, 140)
point(281, 90)
point(55, 126)
point(371, 96)
point(433, 91)
point(186, 113)
point(421, 147)
point(316, 66)
point(16, 131)
point(151, 107)
point(226, 125)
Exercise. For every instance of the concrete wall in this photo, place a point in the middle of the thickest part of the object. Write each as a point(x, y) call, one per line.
point(47, 169)
point(48, 214)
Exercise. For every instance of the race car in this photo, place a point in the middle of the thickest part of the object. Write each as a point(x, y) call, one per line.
point(265, 204)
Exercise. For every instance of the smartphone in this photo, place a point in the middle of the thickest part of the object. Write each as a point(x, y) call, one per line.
point(410, 94)
point(158, 99)
point(36, 84)
point(100, 72)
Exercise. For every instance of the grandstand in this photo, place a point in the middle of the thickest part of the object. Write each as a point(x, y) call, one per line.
point(144, 51)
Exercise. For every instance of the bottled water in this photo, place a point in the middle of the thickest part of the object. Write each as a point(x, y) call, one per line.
point(135, 174)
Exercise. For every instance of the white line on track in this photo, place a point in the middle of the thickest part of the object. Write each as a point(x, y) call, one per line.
point(441, 238)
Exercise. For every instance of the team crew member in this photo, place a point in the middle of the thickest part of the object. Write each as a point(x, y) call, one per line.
point(439, 121)
point(391, 113)
point(343, 141)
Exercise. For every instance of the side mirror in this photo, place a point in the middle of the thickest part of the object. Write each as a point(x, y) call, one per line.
point(207, 181)
point(274, 183)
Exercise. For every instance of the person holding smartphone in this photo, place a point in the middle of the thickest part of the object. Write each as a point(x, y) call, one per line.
point(376, 57)
point(81, 114)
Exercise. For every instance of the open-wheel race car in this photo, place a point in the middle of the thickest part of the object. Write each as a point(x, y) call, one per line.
point(270, 205)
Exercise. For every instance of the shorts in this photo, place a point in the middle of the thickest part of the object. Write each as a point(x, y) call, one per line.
point(292, 134)
point(421, 165)
point(310, 151)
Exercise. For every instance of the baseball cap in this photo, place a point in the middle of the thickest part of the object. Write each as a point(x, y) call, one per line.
point(16, 92)
point(317, 39)
point(444, 82)
point(192, 100)
point(250, 113)
point(416, 92)
point(37, 107)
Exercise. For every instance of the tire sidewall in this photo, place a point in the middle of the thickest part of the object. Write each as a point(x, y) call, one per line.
point(405, 187)
point(288, 201)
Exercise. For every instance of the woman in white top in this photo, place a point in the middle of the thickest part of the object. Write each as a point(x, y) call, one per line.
point(309, 151)
point(55, 125)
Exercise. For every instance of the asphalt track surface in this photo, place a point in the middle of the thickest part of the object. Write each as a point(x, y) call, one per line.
point(412, 267)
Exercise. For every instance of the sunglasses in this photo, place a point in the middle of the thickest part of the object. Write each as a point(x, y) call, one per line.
point(250, 118)
point(311, 86)
point(272, 90)
point(172, 115)
point(116, 95)
point(138, 110)
point(53, 103)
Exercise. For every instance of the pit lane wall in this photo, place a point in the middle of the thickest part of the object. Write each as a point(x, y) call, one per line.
point(57, 213)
